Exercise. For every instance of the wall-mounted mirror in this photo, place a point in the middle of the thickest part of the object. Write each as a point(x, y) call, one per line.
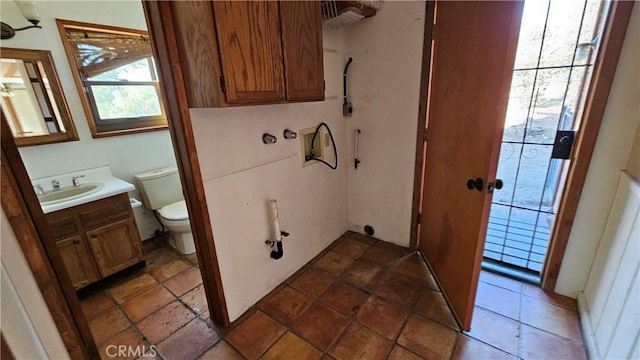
point(32, 99)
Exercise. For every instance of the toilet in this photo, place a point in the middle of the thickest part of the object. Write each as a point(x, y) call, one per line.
point(161, 191)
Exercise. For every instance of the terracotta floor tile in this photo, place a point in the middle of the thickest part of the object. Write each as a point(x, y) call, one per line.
point(133, 287)
point(108, 324)
point(432, 305)
point(159, 325)
point(193, 258)
point(501, 281)
point(188, 342)
point(222, 351)
point(255, 334)
point(365, 274)
point(400, 353)
point(471, 349)
point(287, 305)
point(96, 304)
point(170, 268)
point(494, 329)
point(399, 289)
point(551, 318)
point(150, 245)
point(184, 281)
point(537, 344)
point(358, 342)
point(382, 317)
point(551, 298)
point(351, 247)
point(360, 237)
point(414, 267)
point(130, 338)
point(382, 255)
point(320, 325)
point(393, 247)
point(427, 338)
point(289, 347)
point(334, 263)
point(160, 256)
point(314, 282)
point(344, 298)
point(147, 302)
point(196, 299)
point(499, 300)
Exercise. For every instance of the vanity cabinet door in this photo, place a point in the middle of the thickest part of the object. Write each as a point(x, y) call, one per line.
point(78, 261)
point(251, 51)
point(115, 246)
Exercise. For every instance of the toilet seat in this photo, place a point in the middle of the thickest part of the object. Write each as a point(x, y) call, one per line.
point(175, 212)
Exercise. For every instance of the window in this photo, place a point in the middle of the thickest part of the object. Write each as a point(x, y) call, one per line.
point(115, 73)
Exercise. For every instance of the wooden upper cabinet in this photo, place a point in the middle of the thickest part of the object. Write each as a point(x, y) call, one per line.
point(243, 52)
point(302, 43)
point(250, 50)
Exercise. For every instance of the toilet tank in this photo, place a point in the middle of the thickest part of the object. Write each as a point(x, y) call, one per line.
point(159, 187)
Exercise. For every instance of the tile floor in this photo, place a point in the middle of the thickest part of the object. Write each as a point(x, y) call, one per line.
point(359, 299)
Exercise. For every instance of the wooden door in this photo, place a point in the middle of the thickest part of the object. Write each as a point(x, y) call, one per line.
point(115, 246)
point(250, 50)
point(78, 260)
point(302, 44)
point(474, 50)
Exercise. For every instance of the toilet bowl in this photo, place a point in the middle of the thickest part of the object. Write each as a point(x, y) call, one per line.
point(176, 219)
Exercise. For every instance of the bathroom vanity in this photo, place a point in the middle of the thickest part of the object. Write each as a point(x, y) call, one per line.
point(96, 239)
point(91, 222)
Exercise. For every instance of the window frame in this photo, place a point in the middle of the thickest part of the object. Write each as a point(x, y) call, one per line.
point(118, 126)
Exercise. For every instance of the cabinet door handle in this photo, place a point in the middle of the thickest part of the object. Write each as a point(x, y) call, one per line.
point(76, 242)
point(94, 236)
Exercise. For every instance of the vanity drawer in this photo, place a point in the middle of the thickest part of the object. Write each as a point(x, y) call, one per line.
point(62, 227)
point(105, 211)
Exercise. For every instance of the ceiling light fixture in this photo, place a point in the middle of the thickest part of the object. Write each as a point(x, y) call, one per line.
point(29, 11)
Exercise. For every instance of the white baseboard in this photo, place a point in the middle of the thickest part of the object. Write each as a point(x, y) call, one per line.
point(588, 334)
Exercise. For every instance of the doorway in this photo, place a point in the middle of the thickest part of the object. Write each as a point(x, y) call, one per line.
point(454, 185)
point(552, 71)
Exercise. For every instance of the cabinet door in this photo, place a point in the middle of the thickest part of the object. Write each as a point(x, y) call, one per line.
point(78, 260)
point(302, 43)
point(250, 51)
point(115, 246)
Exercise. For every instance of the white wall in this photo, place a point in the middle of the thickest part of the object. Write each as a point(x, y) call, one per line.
point(241, 175)
point(128, 154)
point(26, 321)
point(610, 304)
point(619, 124)
point(384, 85)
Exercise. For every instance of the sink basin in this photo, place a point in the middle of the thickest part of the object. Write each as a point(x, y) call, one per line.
point(68, 193)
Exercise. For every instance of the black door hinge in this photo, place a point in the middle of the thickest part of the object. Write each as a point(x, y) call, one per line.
point(419, 218)
point(223, 86)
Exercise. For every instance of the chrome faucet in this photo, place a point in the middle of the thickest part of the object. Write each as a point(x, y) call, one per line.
point(75, 180)
point(39, 190)
point(56, 184)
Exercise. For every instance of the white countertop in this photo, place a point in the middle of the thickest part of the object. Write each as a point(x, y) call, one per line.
point(111, 186)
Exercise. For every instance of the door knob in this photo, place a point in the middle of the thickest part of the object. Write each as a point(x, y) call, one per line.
point(477, 184)
point(499, 184)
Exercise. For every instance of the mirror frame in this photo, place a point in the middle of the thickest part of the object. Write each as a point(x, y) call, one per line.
point(44, 56)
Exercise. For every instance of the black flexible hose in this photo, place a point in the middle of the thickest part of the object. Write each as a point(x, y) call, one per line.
point(333, 142)
point(155, 214)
